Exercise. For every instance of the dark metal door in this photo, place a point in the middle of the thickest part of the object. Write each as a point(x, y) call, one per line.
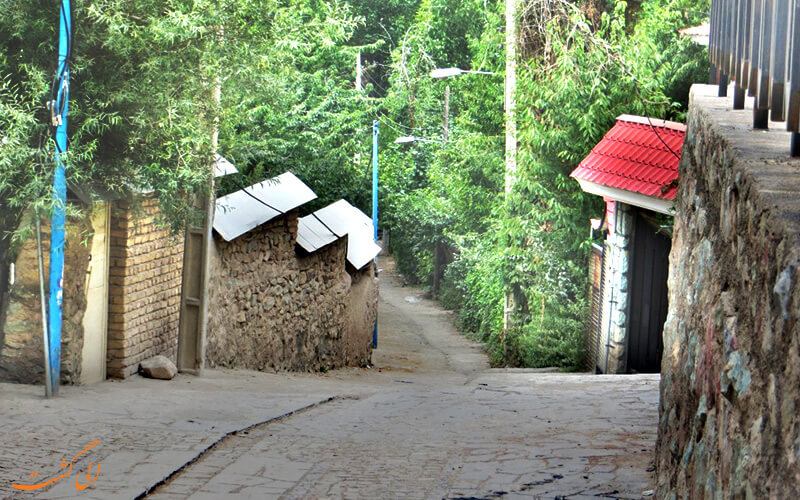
point(648, 287)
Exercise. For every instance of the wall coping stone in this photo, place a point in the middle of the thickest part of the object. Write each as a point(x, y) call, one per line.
point(762, 155)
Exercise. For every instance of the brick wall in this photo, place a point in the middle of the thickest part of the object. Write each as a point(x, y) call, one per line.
point(272, 310)
point(144, 288)
point(730, 384)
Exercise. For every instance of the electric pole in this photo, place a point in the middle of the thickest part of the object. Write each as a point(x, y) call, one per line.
point(59, 110)
point(359, 72)
point(375, 135)
point(446, 123)
point(511, 130)
point(437, 249)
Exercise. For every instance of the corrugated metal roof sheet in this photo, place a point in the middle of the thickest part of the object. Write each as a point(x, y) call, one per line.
point(635, 156)
point(239, 212)
point(343, 219)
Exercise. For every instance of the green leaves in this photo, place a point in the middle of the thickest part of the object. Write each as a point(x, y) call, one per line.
point(580, 70)
point(143, 110)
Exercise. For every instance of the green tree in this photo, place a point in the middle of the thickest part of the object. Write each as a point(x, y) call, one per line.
point(581, 65)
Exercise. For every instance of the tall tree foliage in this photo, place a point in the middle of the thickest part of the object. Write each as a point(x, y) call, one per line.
point(142, 90)
point(143, 110)
point(582, 65)
point(143, 107)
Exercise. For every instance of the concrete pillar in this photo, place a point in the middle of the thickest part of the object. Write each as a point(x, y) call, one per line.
point(614, 327)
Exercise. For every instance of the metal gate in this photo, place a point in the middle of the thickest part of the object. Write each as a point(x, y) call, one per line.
point(595, 296)
point(648, 296)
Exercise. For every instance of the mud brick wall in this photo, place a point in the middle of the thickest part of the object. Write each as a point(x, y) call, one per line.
point(270, 309)
point(144, 288)
point(730, 386)
point(362, 313)
point(21, 351)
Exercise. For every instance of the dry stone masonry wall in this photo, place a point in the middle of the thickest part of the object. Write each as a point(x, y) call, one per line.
point(270, 309)
point(730, 387)
point(144, 288)
point(21, 351)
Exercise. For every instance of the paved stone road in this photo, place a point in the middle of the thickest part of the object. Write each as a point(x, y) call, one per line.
point(430, 420)
point(503, 435)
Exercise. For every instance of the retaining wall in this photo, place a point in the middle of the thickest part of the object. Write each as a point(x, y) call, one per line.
point(730, 386)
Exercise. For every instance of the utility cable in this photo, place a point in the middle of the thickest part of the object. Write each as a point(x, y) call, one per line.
point(60, 84)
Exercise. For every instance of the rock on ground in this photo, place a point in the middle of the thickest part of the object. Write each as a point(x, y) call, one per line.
point(158, 367)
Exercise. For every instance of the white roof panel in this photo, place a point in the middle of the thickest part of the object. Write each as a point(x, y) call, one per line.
point(239, 212)
point(223, 167)
point(313, 235)
point(343, 218)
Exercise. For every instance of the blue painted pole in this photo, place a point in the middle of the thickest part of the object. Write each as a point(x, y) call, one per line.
point(57, 233)
point(375, 133)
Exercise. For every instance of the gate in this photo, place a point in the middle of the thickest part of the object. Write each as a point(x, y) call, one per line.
point(648, 296)
point(596, 280)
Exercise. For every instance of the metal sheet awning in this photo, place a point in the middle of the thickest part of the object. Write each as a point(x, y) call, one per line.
point(239, 212)
point(343, 219)
point(313, 235)
point(223, 167)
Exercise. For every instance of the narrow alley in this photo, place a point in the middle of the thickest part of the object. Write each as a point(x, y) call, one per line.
point(430, 419)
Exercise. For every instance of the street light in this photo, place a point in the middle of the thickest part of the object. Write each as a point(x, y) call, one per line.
point(510, 112)
point(406, 139)
point(449, 72)
point(442, 73)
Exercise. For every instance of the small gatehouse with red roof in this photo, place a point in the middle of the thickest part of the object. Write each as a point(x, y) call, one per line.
point(635, 169)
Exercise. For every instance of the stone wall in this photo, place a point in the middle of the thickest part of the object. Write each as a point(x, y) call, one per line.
point(270, 309)
point(612, 356)
point(21, 351)
point(730, 387)
point(144, 288)
point(362, 311)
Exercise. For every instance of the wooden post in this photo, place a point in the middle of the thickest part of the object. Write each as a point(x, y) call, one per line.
point(193, 325)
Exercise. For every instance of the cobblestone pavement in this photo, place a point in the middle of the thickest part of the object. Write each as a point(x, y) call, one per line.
point(429, 420)
point(504, 435)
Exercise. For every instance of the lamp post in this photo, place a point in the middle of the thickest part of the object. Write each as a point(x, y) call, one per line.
point(443, 73)
point(375, 134)
point(510, 119)
point(407, 139)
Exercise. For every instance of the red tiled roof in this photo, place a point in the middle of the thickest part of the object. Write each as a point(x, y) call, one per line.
point(632, 157)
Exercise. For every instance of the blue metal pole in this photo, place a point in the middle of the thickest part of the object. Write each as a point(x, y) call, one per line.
point(375, 133)
point(57, 233)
